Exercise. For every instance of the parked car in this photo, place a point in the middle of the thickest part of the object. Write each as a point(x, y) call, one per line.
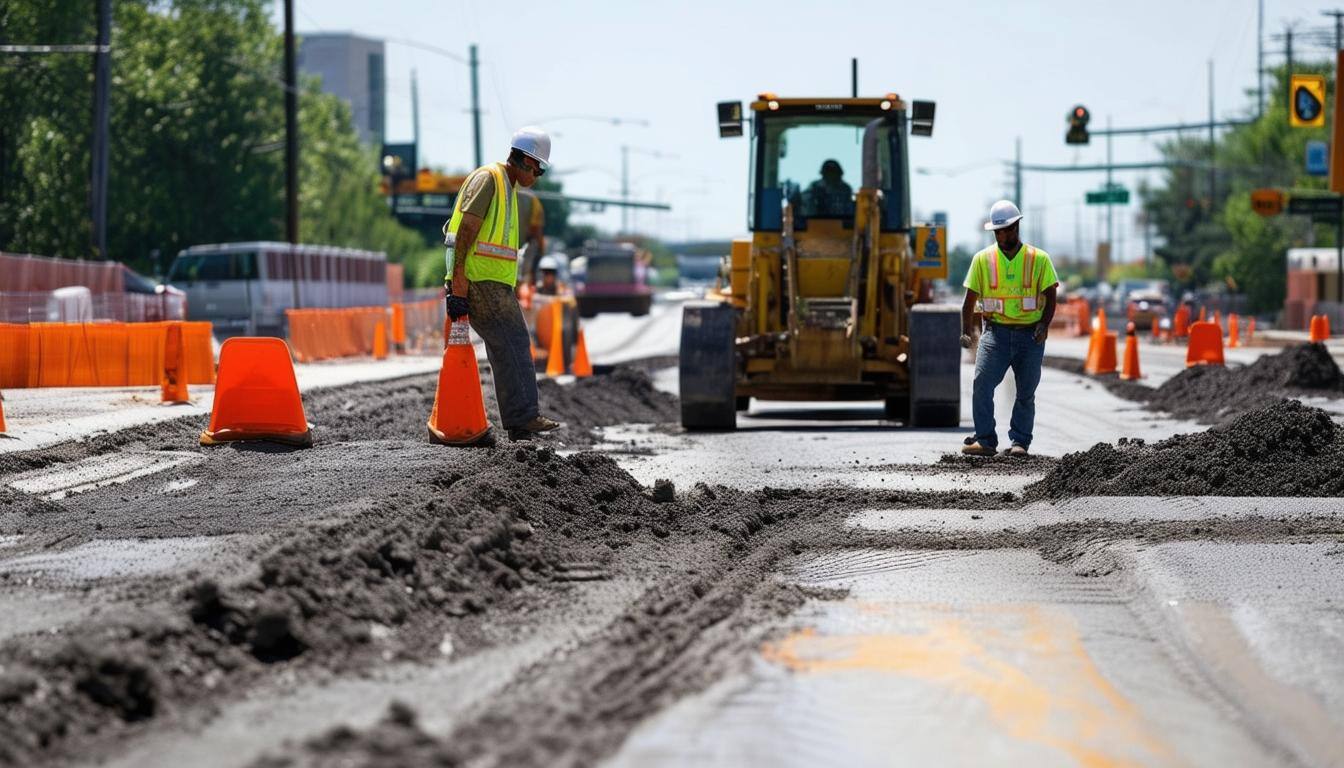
point(615, 279)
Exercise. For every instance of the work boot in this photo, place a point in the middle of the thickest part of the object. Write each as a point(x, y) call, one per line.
point(974, 447)
point(536, 426)
point(1018, 450)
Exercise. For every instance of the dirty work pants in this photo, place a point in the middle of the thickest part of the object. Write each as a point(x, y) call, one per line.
point(1003, 347)
point(497, 318)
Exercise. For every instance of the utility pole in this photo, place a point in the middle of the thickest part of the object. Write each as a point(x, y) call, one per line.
point(291, 132)
point(415, 118)
point(1017, 175)
point(1110, 207)
point(854, 77)
point(98, 176)
point(1288, 81)
point(1213, 146)
point(625, 189)
point(476, 106)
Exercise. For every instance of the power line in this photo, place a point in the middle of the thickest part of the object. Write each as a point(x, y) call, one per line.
point(74, 48)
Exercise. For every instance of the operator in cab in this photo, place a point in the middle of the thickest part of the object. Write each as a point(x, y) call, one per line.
point(1015, 284)
point(549, 267)
point(831, 195)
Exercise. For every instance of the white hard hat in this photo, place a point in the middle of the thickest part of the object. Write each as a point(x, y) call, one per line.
point(533, 142)
point(1002, 214)
point(548, 262)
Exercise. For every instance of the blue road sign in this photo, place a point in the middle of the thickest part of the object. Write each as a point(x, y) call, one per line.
point(1318, 158)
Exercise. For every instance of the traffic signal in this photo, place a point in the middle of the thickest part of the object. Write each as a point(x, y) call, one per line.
point(1078, 117)
point(1308, 107)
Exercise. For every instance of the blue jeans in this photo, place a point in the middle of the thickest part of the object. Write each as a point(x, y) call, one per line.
point(498, 320)
point(1003, 347)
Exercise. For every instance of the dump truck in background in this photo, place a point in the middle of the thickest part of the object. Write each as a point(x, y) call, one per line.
point(615, 279)
point(830, 298)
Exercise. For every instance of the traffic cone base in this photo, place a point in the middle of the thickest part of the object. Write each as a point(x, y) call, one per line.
point(173, 388)
point(458, 415)
point(256, 395)
point(582, 367)
point(1206, 345)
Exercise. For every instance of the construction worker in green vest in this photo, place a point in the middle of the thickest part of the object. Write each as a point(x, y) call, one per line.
point(1015, 284)
point(482, 270)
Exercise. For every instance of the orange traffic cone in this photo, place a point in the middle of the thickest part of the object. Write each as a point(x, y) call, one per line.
point(256, 395)
point(1233, 331)
point(1206, 345)
point(1130, 371)
point(1157, 328)
point(380, 340)
point(1218, 320)
point(458, 416)
point(582, 367)
point(2, 414)
point(1102, 359)
point(555, 359)
point(1320, 328)
point(173, 387)
point(1203, 315)
point(1250, 329)
point(1180, 324)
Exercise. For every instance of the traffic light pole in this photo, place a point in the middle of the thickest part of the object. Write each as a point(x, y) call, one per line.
point(1110, 206)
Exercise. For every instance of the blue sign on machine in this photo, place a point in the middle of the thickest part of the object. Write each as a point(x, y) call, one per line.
point(1318, 158)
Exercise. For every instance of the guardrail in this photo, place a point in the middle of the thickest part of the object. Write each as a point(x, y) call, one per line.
point(98, 354)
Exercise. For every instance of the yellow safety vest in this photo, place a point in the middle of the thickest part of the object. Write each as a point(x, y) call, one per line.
point(495, 254)
point(1016, 302)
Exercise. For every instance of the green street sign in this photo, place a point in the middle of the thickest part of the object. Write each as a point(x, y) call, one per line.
point(1113, 195)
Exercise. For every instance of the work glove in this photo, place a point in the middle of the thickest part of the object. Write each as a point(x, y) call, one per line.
point(1040, 332)
point(965, 341)
point(457, 306)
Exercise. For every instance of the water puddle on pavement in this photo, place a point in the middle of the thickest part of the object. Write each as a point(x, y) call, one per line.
point(949, 658)
point(62, 480)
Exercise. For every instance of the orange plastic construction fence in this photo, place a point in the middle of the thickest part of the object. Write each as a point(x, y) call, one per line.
point(418, 325)
point(99, 354)
point(322, 334)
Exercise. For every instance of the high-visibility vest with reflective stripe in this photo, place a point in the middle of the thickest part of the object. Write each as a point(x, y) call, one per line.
point(495, 254)
point(1015, 301)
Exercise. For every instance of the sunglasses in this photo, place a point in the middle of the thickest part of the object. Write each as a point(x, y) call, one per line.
point(535, 170)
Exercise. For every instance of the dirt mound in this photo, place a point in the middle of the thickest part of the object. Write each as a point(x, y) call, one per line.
point(1212, 394)
point(1283, 449)
point(625, 396)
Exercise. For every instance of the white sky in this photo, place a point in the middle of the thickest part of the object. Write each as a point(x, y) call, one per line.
point(997, 71)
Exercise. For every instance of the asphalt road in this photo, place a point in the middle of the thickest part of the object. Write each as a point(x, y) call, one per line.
point(825, 590)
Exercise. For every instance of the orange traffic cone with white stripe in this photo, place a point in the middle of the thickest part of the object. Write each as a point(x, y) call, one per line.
point(1130, 370)
point(458, 416)
point(173, 388)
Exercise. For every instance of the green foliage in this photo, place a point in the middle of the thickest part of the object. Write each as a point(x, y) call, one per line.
point(1212, 235)
point(197, 131)
point(958, 264)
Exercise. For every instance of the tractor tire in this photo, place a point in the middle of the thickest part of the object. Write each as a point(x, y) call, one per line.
point(896, 408)
point(935, 366)
point(743, 404)
point(708, 366)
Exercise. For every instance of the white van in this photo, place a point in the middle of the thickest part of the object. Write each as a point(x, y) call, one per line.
point(245, 288)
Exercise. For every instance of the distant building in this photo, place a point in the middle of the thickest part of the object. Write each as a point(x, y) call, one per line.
point(354, 69)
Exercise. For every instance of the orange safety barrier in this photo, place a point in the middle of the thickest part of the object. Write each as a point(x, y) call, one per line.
point(582, 366)
point(1206, 345)
point(257, 396)
point(555, 357)
point(174, 387)
point(323, 334)
point(1130, 370)
point(99, 354)
point(1233, 331)
point(1320, 328)
point(420, 325)
point(458, 416)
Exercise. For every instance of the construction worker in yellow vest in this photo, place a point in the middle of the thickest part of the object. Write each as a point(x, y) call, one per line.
point(482, 270)
point(1015, 284)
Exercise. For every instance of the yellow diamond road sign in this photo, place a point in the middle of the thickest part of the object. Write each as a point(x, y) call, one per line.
point(1308, 107)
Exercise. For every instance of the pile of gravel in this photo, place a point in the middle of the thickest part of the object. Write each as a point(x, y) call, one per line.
point(1213, 394)
point(1283, 449)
